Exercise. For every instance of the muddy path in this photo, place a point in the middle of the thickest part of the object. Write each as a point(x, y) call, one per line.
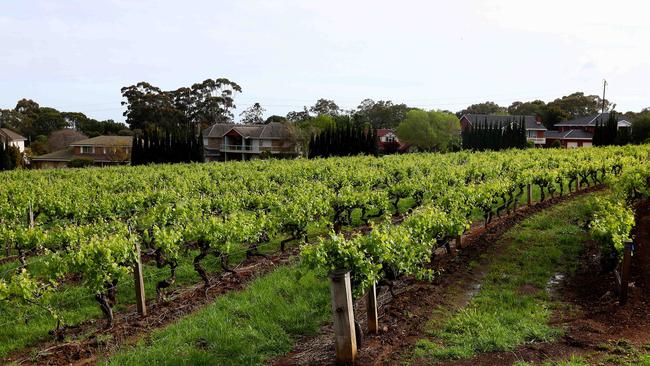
point(416, 302)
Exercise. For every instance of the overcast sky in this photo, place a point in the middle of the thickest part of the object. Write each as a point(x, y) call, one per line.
point(75, 55)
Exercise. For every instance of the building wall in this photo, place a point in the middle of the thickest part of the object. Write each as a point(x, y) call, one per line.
point(49, 164)
point(20, 145)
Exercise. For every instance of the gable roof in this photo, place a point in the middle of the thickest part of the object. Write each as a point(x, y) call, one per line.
point(11, 135)
point(592, 121)
point(569, 135)
point(270, 131)
point(499, 120)
point(381, 132)
point(105, 141)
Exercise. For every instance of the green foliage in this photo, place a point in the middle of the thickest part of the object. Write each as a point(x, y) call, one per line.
point(430, 131)
point(81, 162)
point(86, 222)
point(498, 136)
point(201, 105)
point(483, 108)
point(380, 114)
point(641, 128)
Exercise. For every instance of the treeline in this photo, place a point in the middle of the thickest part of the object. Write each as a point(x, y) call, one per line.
point(488, 136)
point(608, 133)
point(164, 146)
point(10, 157)
point(343, 140)
point(38, 123)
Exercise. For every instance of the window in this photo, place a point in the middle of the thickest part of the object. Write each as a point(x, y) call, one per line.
point(390, 138)
point(86, 149)
point(532, 134)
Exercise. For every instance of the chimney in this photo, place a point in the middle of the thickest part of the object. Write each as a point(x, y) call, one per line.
point(538, 120)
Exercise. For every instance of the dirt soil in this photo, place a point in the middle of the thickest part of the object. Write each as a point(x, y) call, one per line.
point(404, 317)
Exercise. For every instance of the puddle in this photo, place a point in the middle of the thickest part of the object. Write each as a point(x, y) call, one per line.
point(554, 282)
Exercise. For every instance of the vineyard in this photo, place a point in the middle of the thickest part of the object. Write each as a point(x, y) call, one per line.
point(72, 239)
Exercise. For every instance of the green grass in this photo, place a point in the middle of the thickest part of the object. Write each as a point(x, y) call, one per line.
point(573, 361)
point(501, 317)
point(242, 328)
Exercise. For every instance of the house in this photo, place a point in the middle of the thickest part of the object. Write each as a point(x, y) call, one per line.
point(579, 132)
point(569, 138)
point(388, 142)
point(589, 123)
point(101, 150)
point(533, 125)
point(10, 138)
point(230, 141)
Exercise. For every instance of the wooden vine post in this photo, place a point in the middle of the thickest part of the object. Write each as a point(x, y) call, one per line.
point(139, 283)
point(529, 194)
point(345, 340)
point(625, 272)
point(459, 241)
point(371, 307)
point(31, 216)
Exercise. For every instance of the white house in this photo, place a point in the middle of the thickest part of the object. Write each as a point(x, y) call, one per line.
point(10, 138)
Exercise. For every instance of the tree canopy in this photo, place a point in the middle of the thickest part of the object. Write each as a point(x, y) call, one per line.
point(430, 131)
point(253, 115)
point(380, 114)
point(483, 108)
point(203, 104)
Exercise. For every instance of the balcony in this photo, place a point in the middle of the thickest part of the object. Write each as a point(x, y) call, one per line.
point(537, 140)
point(239, 148)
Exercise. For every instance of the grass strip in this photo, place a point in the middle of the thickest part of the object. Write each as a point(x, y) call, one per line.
point(513, 305)
point(241, 328)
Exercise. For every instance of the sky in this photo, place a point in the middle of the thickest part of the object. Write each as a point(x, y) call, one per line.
point(76, 55)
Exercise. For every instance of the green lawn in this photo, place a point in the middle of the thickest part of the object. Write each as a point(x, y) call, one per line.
point(502, 316)
point(242, 328)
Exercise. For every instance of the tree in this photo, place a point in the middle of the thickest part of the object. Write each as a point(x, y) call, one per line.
point(579, 105)
point(202, 105)
point(641, 128)
point(63, 138)
point(298, 116)
point(430, 131)
point(276, 118)
point(253, 115)
point(534, 108)
point(483, 108)
point(325, 106)
point(380, 114)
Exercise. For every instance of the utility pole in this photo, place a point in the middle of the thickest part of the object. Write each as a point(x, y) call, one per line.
point(604, 86)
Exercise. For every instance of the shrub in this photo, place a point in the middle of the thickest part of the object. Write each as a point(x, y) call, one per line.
point(81, 162)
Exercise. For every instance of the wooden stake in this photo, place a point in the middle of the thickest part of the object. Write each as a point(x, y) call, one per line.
point(345, 339)
point(625, 272)
point(371, 307)
point(31, 216)
point(459, 241)
point(529, 194)
point(139, 283)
